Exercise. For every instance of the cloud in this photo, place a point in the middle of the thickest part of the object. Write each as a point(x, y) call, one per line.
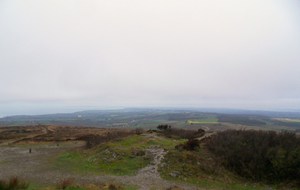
point(149, 53)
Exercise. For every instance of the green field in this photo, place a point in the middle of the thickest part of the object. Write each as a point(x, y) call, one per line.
point(212, 120)
point(288, 120)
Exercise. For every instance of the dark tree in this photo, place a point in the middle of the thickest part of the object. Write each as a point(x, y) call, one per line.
point(164, 127)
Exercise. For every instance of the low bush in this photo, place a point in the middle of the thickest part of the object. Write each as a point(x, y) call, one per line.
point(64, 184)
point(94, 140)
point(139, 131)
point(164, 127)
point(190, 145)
point(170, 132)
point(183, 133)
point(174, 188)
point(13, 183)
point(258, 155)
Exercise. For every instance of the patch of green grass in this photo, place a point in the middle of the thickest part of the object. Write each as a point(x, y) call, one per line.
point(210, 120)
point(3, 162)
point(33, 186)
point(131, 187)
point(110, 161)
point(120, 157)
point(288, 120)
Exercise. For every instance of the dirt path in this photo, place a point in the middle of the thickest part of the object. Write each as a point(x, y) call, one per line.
point(152, 169)
point(149, 176)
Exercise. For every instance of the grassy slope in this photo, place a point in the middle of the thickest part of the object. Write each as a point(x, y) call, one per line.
point(116, 158)
point(201, 169)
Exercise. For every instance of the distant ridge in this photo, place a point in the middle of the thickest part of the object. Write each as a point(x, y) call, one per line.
point(149, 117)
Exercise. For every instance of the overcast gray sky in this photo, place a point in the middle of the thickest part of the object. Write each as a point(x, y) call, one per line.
point(65, 55)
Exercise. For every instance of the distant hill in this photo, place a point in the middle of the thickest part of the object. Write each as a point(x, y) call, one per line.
point(140, 117)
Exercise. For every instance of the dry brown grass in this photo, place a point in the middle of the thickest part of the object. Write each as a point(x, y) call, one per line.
point(44, 133)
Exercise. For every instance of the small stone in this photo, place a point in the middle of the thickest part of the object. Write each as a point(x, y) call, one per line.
point(174, 174)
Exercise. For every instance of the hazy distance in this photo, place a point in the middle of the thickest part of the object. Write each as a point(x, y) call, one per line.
point(61, 56)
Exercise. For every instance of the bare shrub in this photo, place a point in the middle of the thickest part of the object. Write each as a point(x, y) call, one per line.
point(136, 152)
point(113, 187)
point(64, 184)
point(139, 131)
